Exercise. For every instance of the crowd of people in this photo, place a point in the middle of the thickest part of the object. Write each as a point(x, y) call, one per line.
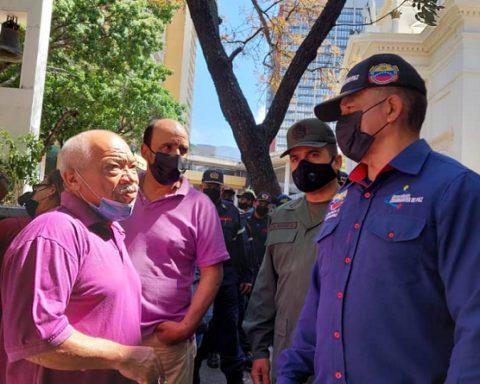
point(121, 277)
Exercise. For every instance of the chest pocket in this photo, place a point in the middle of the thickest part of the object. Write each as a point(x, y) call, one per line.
point(278, 236)
point(229, 229)
point(325, 246)
point(397, 245)
point(281, 245)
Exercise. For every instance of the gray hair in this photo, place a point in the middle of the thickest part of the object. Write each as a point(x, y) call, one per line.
point(76, 153)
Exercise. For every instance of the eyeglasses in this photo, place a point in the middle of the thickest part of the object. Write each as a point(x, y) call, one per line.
point(36, 187)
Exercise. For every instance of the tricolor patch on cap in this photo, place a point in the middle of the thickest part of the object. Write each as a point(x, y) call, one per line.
point(382, 74)
point(214, 175)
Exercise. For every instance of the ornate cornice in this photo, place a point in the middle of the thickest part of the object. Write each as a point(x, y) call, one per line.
point(426, 42)
point(399, 47)
point(453, 14)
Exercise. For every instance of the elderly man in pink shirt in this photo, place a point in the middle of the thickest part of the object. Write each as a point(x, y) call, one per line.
point(70, 293)
point(173, 228)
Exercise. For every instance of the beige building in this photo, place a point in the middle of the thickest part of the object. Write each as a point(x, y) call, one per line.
point(447, 57)
point(180, 55)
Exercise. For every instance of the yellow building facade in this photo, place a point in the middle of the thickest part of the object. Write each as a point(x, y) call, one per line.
point(179, 55)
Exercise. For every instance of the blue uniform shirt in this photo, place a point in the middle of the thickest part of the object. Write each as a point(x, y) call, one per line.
point(259, 230)
point(395, 291)
point(239, 268)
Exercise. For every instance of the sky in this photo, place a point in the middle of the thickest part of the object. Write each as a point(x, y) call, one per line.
point(208, 124)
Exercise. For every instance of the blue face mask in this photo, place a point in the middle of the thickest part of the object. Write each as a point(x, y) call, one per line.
point(109, 210)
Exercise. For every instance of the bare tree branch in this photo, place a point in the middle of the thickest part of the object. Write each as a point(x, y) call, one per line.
point(266, 29)
point(235, 53)
point(246, 41)
point(63, 118)
point(273, 5)
point(305, 54)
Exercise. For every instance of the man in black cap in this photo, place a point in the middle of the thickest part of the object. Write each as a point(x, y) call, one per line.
point(283, 280)
point(394, 292)
point(245, 202)
point(228, 194)
point(258, 221)
point(237, 275)
point(257, 226)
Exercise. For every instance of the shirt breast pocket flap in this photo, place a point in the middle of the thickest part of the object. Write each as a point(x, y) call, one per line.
point(326, 230)
point(396, 258)
point(395, 229)
point(278, 236)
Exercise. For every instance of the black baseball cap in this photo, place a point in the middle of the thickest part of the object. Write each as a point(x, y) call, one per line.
point(247, 195)
point(212, 176)
point(264, 196)
point(229, 190)
point(382, 70)
point(309, 133)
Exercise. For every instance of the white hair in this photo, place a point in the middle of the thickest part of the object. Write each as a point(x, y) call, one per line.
point(76, 152)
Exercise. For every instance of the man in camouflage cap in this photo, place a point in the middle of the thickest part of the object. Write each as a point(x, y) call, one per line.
point(283, 280)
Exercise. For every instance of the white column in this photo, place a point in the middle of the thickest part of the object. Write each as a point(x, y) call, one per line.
point(286, 185)
point(21, 109)
point(469, 83)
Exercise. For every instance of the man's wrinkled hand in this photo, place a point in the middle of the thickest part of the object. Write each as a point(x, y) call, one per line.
point(171, 332)
point(260, 372)
point(245, 288)
point(142, 365)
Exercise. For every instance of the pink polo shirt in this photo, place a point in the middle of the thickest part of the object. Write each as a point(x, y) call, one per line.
point(66, 270)
point(165, 239)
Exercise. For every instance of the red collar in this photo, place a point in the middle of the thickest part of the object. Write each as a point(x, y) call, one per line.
point(359, 174)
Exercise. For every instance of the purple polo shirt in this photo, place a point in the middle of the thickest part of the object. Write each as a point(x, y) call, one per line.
point(165, 238)
point(67, 270)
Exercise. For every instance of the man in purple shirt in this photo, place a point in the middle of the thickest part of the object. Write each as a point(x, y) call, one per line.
point(70, 294)
point(173, 228)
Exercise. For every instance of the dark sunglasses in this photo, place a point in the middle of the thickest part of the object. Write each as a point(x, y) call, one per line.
point(37, 186)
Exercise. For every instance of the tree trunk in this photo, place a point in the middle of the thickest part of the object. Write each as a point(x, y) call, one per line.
point(253, 140)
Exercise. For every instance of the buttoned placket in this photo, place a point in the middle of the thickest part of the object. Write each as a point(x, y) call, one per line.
point(351, 238)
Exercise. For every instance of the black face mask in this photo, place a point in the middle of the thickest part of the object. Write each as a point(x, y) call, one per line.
point(31, 206)
point(310, 177)
point(213, 194)
point(167, 169)
point(243, 206)
point(352, 141)
point(261, 210)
